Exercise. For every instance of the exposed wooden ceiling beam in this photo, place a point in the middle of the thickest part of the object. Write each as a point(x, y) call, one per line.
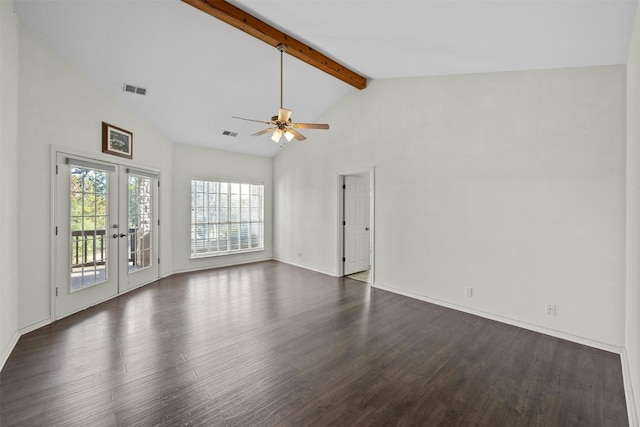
point(240, 19)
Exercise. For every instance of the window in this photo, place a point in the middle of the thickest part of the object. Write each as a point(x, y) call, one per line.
point(226, 217)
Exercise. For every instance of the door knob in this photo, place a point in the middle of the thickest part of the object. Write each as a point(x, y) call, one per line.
point(114, 235)
point(366, 229)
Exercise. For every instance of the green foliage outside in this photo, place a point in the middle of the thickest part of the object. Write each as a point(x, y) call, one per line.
point(88, 215)
point(88, 199)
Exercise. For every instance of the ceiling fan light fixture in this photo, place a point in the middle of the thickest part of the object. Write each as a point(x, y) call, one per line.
point(277, 134)
point(288, 135)
point(282, 124)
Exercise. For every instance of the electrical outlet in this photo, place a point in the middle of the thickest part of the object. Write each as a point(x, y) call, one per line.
point(550, 309)
point(468, 292)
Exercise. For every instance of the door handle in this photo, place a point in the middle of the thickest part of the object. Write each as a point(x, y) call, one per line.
point(115, 235)
point(123, 235)
point(366, 229)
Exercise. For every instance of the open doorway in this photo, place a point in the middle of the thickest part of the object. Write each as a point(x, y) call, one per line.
point(355, 219)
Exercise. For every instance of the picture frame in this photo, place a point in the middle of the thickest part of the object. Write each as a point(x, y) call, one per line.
point(117, 141)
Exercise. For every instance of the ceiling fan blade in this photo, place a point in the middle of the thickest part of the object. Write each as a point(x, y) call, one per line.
point(251, 120)
point(283, 115)
point(262, 132)
point(297, 135)
point(310, 125)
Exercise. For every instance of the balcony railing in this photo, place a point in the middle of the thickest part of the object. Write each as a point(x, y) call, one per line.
point(89, 247)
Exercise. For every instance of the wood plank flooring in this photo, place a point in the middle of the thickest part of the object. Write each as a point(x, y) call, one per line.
point(271, 344)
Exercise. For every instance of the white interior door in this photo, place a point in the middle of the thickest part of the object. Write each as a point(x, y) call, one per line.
point(106, 231)
point(356, 224)
point(86, 221)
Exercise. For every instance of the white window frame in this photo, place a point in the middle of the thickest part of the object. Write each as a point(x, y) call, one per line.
point(217, 229)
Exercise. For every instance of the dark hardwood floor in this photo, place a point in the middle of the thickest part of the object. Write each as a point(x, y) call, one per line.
point(271, 344)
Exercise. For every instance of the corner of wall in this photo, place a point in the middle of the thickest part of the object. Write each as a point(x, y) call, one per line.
point(8, 183)
point(6, 351)
point(631, 351)
point(628, 389)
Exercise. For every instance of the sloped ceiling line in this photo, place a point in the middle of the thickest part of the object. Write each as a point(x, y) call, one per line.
point(259, 29)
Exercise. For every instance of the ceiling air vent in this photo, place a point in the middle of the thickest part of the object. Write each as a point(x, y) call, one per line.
point(229, 133)
point(135, 89)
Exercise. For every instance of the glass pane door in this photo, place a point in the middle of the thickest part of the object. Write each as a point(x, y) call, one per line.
point(86, 233)
point(139, 259)
point(106, 231)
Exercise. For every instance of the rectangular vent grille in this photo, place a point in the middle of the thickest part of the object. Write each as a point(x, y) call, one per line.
point(229, 133)
point(135, 89)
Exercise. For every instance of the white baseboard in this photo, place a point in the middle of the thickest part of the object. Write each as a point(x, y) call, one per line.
point(7, 351)
point(212, 267)
point(16, 336)
point(34, 326)
point(508, 321)
point(295, 264)
point(628, 389)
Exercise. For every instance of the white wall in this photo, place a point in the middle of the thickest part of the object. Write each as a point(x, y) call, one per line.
point(8, 179)
point(191, 162)
point(60, 106)
point(632, 342)
point(510, 183)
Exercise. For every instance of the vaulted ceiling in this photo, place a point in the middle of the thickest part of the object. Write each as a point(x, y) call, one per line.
point(199, 71)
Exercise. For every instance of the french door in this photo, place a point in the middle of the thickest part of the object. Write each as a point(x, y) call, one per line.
point(106, 231)
point(139, 260)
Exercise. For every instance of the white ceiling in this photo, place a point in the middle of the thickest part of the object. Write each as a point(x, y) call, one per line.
point(200, 72)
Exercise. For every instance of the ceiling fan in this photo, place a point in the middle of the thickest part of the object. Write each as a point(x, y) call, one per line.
point(282, 124)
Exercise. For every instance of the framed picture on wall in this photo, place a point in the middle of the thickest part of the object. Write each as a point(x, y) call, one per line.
point(117, 141)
